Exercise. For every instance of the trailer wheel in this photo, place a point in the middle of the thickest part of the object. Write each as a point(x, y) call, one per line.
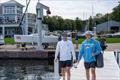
point(45, 45)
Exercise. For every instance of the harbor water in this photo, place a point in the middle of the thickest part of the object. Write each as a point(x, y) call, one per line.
point(25, 70)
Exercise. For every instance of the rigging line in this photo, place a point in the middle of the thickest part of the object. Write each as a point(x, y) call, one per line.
point(23, 16)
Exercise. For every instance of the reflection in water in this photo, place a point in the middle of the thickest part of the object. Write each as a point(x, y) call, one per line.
point(25, 70)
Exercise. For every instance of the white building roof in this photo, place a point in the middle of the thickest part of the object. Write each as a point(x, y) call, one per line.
point(13, 2)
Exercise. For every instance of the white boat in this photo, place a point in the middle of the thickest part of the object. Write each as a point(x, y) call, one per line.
point(47, 39)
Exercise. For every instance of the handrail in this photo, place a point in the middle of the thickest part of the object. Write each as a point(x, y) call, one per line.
point(117, 56)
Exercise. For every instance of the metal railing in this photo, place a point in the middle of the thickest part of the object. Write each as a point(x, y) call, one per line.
point(2, 21)
point(117, 56)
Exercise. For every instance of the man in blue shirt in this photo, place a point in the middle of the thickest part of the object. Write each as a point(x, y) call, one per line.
point(89, 48)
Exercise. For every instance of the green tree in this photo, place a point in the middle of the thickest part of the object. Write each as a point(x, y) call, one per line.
point(78, 24)
point(116, 13)
point(91, 23)
point(60, 23)
point(47, 20)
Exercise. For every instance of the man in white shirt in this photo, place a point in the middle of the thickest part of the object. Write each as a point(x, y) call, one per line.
point(65, 50)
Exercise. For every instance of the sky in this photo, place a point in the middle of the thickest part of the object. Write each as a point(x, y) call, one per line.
point(73, 8)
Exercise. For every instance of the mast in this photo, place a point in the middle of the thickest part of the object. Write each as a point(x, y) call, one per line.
point(26, 20)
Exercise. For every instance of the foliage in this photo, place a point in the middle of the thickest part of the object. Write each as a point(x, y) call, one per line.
point(9, 41)
point(108, 40)
point(58, 23)
point(115, 15)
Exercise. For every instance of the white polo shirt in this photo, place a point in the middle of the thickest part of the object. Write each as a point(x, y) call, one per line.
point(66, 50)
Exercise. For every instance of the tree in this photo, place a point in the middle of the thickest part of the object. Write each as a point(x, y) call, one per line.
point(78, 24)
point(91, 23)
point(48, 21)
point(60, 22)
point(98, 15)
point(116, 13)
point(102, 19)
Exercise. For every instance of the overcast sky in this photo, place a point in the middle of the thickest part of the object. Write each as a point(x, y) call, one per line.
point(73, 8)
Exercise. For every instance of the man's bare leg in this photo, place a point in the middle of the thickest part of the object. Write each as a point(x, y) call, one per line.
point(87, 74)
point(68, 73)
point(63, 73)
point(93, 74)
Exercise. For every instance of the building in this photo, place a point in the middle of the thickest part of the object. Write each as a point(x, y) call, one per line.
point(10, 16)
point(32, 27)
point(11, 13)
point(108, 26)
point(31, 22)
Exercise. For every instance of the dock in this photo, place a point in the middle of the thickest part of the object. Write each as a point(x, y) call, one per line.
point(111, 70)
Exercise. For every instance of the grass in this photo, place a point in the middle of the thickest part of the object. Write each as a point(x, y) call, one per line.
point(12, 41)
point(113, 40)
point(79, 41)
point(9, 41)
point(109, 40)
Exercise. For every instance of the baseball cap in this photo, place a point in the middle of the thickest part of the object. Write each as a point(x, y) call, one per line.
point(88, 32)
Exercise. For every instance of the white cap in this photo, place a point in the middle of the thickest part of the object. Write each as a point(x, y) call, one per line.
point(88, 32)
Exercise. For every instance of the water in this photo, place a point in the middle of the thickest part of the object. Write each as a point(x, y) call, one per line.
point(25, 70)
